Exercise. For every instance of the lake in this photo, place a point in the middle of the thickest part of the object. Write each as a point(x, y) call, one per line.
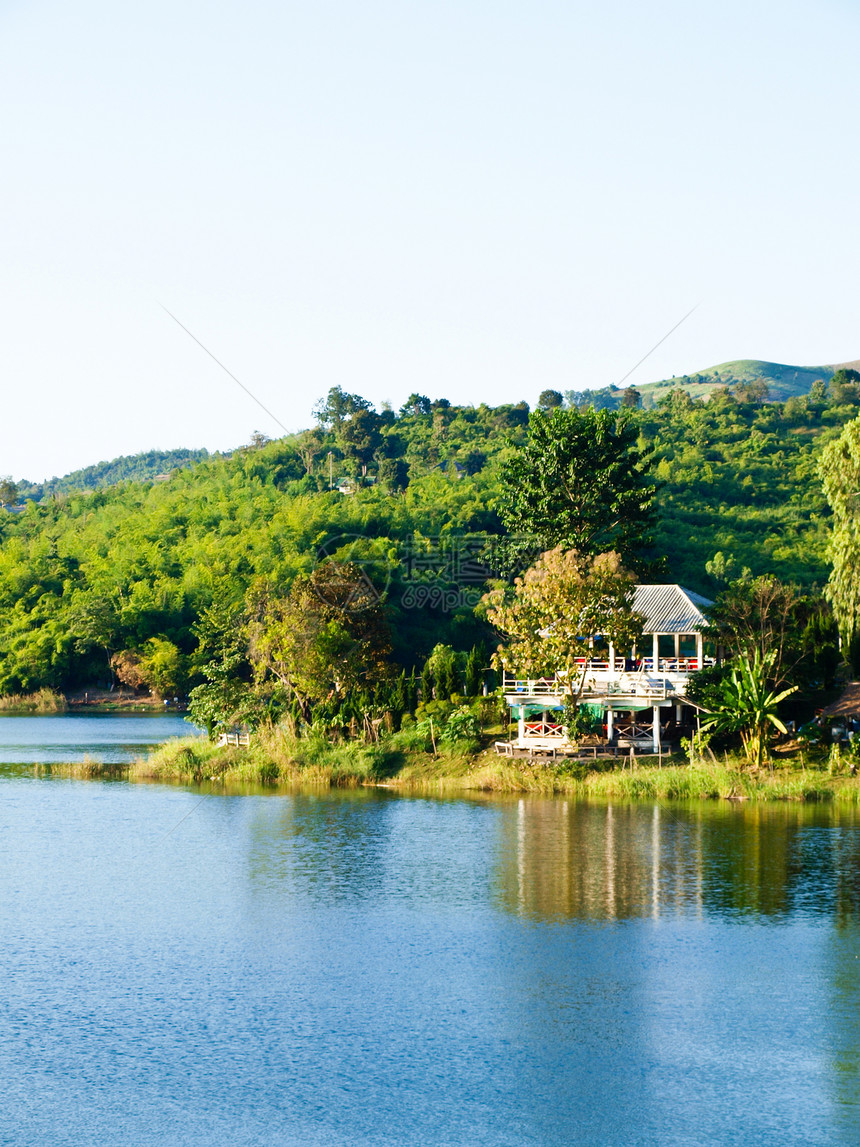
point(115, 738)
point(358, 967)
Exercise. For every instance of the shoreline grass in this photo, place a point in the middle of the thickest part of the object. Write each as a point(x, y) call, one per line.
point(402, 763)
point(42, 701)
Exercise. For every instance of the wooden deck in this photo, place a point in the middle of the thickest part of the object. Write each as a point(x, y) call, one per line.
point(560, 752)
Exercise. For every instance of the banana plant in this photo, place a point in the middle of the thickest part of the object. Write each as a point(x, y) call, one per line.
point(748, 706)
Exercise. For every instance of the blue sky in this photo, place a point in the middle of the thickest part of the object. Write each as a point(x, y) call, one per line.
point(473, 200)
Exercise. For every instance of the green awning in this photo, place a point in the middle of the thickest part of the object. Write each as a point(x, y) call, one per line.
point(525, 711)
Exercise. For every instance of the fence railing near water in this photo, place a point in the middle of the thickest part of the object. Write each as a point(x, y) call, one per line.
point(236, 738)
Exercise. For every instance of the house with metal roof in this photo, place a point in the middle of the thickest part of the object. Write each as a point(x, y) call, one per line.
point(638, 693)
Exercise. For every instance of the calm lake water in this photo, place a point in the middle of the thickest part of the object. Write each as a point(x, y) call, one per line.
point(183, 967)
point(113, 737)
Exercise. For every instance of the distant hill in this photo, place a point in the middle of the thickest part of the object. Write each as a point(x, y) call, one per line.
point(128, 468)
point(783, 381)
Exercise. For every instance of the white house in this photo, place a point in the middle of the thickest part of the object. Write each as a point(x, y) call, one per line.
point(639, 691)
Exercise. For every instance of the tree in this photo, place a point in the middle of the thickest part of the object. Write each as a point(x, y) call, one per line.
point(415, 405)
point(338, 406)
point(163, 666)
point(473, 672)
point(839, 469)
point(326, 639)
point(760, 615)
point(308, 445)
point(474, 462)
point(580, 482)
point(721, 567)
point(225, 697)
point(755, 390)
point(8, 491)
point(557, 609)
point(158, 666)
point(393, 474)
point(360, 437)
point(845, 387)
point(631, 398)
point(550, 399)
point(747, 705)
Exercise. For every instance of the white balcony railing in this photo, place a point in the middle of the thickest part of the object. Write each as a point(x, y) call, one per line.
point(599, 675)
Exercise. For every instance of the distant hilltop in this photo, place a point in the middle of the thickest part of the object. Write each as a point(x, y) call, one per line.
point(782, 381)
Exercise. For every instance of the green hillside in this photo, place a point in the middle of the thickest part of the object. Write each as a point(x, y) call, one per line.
point(128, 468)
point(744, 377)
point(782, 381)
point(132, 571)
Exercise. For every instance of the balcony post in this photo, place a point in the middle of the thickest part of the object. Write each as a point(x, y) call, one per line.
point(655, 651)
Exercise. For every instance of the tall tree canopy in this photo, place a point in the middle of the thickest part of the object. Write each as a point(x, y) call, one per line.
point(580, 482)
point(840, 474)
point(326, 637)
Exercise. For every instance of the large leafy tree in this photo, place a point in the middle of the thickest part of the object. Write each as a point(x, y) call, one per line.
point(360, 437)
point(840, 473)
point(580, 482)
point(325, 638)
point(337, 406)
point(550, 617)
point(761, 614)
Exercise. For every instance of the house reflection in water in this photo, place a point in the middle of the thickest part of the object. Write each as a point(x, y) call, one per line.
point(570, 860)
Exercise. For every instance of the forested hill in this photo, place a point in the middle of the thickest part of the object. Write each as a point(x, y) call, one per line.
point(772, 381)
point(129, 468)
point(86, 576)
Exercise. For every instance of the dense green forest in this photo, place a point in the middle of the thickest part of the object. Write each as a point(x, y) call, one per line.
point(95, 583)
point(128, 468)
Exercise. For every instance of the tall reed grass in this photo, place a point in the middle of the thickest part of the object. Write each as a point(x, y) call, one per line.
point(43, 701)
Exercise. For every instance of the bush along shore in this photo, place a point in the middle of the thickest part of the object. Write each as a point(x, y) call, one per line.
point(42, 701)
point(404, 761)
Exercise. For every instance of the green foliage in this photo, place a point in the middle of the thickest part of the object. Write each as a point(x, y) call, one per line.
point(747, 705)
point(579, 720)
point(86, 577)
point(129, 468)
point(579, 482)
point(8, 491)
point(460, 726)
point(555, 610)
point(840, 473)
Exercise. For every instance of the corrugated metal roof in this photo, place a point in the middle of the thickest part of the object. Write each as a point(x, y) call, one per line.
point(670, 608)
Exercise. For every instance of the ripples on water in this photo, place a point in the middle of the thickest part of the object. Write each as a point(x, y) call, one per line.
point(67, 737)
point(357, 968)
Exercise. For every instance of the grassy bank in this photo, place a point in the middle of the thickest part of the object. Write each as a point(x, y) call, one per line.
point(43, 701)
point(403, 762)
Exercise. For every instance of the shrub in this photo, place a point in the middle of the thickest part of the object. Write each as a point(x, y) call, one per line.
point(460, 726)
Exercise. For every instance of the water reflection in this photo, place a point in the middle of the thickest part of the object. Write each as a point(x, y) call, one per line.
point(560, 859)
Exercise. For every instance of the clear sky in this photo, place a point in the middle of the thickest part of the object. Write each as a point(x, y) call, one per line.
point(474, 199)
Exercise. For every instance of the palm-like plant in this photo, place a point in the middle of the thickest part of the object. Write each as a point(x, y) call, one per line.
point(748, 706)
